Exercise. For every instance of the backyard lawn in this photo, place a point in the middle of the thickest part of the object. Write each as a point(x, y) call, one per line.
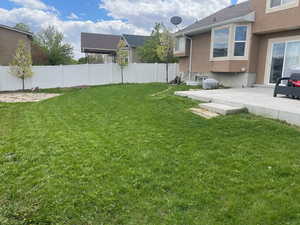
point(121, 155)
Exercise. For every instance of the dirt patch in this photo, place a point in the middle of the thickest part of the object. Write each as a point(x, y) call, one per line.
point(25, 97)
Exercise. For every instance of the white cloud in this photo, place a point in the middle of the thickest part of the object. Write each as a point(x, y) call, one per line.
point(73, 16)
point(33, 4)
point(129, 16)
point(146, 12)
point(38, 19)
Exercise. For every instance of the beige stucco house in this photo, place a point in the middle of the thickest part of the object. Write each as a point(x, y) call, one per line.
point(107, 45)
point(9, 39)
point(251, 43)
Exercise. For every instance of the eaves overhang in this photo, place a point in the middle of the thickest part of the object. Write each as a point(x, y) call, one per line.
point(29, 34)
point(249, 18)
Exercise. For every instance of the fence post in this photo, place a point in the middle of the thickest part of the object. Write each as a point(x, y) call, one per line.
point(89, 74)
point(156, 73)
point(62, 75)
point(111, 72)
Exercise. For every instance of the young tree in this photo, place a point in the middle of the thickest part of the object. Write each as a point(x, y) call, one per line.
point(21, 63)
point(152, 50)
point(52, 42)
point(148, 52)
point(165, 49)
point(122, 57)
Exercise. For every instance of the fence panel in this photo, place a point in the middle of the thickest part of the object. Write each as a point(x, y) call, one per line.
point(8, 82)
point(47, 77)
point(79, 75)
point(161, 73)
point(75, 75)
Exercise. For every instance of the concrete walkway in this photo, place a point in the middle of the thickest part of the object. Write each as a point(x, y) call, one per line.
point(259, 101)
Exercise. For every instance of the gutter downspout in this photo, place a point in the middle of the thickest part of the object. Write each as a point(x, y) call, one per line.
point(191, 56)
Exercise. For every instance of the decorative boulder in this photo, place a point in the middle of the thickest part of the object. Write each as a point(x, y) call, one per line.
point(210, 84)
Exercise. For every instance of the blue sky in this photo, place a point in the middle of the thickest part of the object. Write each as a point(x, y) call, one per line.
point(84, 9)
point(103, 16)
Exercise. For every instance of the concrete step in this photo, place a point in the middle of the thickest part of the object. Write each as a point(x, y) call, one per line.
point(222, 109)
point(204, 113)
point(182, 93)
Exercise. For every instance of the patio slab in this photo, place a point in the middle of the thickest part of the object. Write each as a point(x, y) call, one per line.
point(259, 101)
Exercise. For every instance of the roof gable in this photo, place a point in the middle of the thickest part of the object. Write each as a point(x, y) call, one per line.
point(95, 41)
point(231, 12)
point(135, 40)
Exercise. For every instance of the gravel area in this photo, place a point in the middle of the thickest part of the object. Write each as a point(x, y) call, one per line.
point(25, 97)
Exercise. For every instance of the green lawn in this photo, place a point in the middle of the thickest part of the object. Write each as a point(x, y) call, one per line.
point(118, 155)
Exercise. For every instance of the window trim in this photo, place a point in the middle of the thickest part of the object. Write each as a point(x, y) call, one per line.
point(212, 43)
point(231, 42)
point(271, 43)
point(270, 9)
point(183, 50)
point(236, 41)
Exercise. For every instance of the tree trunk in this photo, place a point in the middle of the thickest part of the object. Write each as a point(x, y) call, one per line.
point(122, 75)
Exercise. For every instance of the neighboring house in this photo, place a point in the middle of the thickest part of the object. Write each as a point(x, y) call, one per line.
point(133, 42)
point(254, 42)
point(9, 39)
point(107, 45)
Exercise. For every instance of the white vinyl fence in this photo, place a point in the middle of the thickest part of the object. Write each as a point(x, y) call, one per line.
point(89, 74)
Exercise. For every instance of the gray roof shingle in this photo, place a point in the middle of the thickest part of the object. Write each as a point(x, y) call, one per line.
point(228, 13)
point(92, 41)
point(135, 40)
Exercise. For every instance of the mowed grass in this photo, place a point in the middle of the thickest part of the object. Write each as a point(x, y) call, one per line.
point(119, 155)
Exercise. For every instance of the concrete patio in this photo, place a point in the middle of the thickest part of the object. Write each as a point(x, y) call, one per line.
point(258, 100)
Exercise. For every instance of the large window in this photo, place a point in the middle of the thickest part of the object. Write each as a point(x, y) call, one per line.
point(285, 56)
point(230, 42)
point(180, 44)
point(221, 40)
point(240, 40)
point(277, 62)
point(277, 3)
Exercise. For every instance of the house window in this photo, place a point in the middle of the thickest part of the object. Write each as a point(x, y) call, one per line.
point(230, 42)
point(277, 62)
point(220, 42)
point(240, 40)
point(277, 5)
point(180, 44)
point(284, 57)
